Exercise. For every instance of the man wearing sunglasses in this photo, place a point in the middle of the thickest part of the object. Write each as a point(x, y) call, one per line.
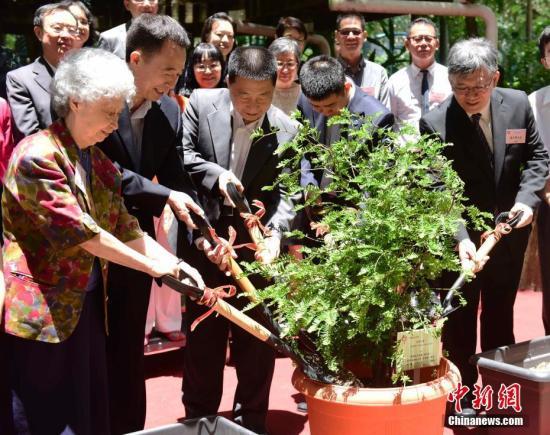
point(496, 150)
point(423, 85)
point(114, 40)
point(350, 35)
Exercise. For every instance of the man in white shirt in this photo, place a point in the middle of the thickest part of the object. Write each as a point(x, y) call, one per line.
point(540, 102)
point(350, 35)
point(144, 147)
point(217, 149)
point(415, 90)
point(114, 40)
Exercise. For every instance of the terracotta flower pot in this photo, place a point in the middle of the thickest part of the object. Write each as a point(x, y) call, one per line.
point(417, 409)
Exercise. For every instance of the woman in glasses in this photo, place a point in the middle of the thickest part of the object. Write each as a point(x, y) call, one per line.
point(204, 69)
point(287, 88)
point(87, 36)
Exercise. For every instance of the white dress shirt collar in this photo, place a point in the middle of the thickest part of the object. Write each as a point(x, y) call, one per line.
point(241, 141)
point(417, 71)
point(137, 121)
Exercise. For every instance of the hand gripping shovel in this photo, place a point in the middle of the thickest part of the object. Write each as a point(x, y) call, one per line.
point(257, 232)
point(237, 273)
point(249, 325)
point(503, 226)
point(306, 344)
point(252, 221)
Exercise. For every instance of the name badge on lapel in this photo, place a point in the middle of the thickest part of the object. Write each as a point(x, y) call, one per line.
point(369, 90)
point(437, 97)
point(516, 135)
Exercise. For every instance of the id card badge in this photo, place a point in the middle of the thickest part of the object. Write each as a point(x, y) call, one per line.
point(437, 97)
point(369, 90)
point(517, 135)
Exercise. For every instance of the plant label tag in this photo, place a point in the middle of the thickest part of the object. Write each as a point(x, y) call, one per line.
point(515, 135)
point(420, 348)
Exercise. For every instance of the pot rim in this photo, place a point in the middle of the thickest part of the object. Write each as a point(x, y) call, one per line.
point(412, 394)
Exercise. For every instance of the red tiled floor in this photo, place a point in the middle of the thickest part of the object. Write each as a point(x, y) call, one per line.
point(164, 381)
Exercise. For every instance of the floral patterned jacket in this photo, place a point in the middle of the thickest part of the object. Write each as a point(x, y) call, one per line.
point(48, 210)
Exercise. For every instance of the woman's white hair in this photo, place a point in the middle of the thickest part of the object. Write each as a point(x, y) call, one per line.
point(90, 74)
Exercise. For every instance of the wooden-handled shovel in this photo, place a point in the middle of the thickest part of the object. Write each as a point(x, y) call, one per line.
point(251, 326)
point(503, 227)
point(242, 205)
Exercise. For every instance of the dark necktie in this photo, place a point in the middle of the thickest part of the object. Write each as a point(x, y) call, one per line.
point(425, 91)
point(482, 138)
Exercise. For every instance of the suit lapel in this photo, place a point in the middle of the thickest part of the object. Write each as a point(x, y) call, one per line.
point(70, 150)
point(261, 150)
point(127, 138)
point(42, 74)
point(220, 136)
point(499, 117)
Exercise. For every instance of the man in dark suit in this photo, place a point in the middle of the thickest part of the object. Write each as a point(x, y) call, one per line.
point(114, 40)
point(144, 146)
point(217, 149)
point(28, 87)
point(496, 150)
point(325, 92)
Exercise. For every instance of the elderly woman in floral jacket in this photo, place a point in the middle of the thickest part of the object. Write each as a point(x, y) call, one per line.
point(64, 218)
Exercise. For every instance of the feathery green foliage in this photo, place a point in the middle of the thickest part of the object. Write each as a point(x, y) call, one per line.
point(399, 204)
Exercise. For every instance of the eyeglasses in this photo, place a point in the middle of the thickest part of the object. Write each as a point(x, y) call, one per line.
point(202, 67)
point(465, 90)
point(220, 35)
point(346, 32)
point(298, 40)
point(419, 38)
point(57, 29)
point(143, 1)
point(289, 65)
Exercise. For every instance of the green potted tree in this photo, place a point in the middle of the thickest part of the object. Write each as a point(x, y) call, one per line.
point(384, 232)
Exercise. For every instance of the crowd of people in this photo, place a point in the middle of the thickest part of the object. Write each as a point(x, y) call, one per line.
point(107, 153)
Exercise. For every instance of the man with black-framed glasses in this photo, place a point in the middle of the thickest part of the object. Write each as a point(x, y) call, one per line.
point(350, 35)
point(423, 85)
point(28, 87)
point(114, 40)
point(495, 147)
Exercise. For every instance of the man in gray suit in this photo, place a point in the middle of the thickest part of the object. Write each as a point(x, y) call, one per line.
point(496, 150)
point(217, 149)
point(114, 40)
point(28, 87)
